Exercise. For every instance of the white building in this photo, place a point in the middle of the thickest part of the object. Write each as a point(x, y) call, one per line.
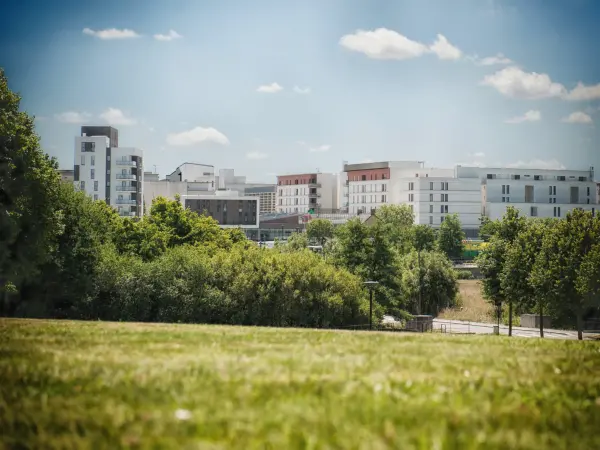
point(267, 196)
point(108, 172)
point(302, 193)
point(470, 192)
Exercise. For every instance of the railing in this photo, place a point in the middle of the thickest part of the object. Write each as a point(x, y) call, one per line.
point(126, 176)
point(125, 162)
point(123, 201)
point(126, 188)
point(315, 184)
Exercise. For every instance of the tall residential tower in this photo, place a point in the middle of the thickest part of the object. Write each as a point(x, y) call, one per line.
point(108, 172)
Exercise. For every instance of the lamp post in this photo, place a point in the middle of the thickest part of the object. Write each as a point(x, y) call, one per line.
point(371, 285)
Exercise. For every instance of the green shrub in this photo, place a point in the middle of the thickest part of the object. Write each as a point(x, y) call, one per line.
point(464, 275)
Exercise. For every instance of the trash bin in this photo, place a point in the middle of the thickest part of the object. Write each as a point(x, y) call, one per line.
point(496, 330)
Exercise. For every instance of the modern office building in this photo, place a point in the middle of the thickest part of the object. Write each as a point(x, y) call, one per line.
point(267, 195)
point(228, 208)
point(470, 192)
point(306, 192)
point(108, 172)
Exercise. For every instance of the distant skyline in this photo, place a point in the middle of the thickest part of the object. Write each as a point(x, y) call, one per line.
point(269, 87)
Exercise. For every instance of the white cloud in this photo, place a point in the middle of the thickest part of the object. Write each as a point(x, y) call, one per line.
point(269, 88)
point(537, 164)
point(320, 148)
point(583, 92)
point(529, 116)
point(494, 60)
point(578, 117)
point(171, 35)
point(197, 135)
point(114, 116)
point(111, 33)
point(513, 82)
point(256, 155)
point(383, 44)
point(299, 90)
point(444, 49)
point(73, 117)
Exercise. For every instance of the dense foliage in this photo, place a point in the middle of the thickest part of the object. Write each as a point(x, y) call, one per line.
point(548, 266)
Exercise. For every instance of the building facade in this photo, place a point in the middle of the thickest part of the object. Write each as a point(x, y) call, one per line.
point(267, 196)
point(470, 192)
point(302, 193)
point(228, 208)
point(109, 173)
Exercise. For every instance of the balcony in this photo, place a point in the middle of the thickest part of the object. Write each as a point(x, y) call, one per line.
point(314, 185)
point(126, 201)
point(125, 162)
point(126, 188)
point(126, 176)
point(126, 213)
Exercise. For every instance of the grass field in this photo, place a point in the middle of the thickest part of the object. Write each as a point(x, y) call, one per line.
point(113, 385)
point(473, 308)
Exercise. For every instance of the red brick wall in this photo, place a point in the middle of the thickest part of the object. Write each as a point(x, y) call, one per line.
point(287, 180)
point(371, 174)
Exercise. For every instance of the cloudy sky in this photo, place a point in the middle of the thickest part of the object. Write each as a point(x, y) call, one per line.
point(268, 86)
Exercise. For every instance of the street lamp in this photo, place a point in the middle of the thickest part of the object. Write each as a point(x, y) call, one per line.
point(371, 285)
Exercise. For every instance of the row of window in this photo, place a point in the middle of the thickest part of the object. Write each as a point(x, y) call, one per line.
point(443, 186)
point(92, 159)
point(82, 185)
point(493, 176)
point(373, 176)
point(298, 181)
point(369, 188)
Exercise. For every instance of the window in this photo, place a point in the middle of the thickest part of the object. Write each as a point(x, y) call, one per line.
point(442, 219)
point(83, 160)
point(88, 146)
point(431, 209)
point(95, 185)
point(430, 197)
point(537, 177)
point(430, 220)
point(411, 197)
point(561, 178)
point(363, 178)
point(383, 176)
point(108, 183)
point(490, 176)
point(516, 177)
point(95, 197)
point(593, 212)
point(588, 191)
point(557, 211)
point(443, 197)
point(92, 174)
point(83, 185)
point(504, 189)
point(503, 199)
point(92, 160)
point(582, 179)
point(444, 209)
point(507, 189)
point(444, 186)
point(383, 187)
point(534, 211)
point(411, 186)
point(431, 186)
point(383, 199)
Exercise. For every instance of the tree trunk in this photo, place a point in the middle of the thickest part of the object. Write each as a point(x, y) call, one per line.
point(580, 324)
point(510, 318)
point(541, 320)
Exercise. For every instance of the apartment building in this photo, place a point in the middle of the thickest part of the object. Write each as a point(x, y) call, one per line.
point(267, 196)
point(228, 208)
point(470, 192)
point(108, 172)
point(306, 192)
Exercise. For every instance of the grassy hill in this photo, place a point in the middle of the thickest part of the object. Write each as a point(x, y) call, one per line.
point(114, 385)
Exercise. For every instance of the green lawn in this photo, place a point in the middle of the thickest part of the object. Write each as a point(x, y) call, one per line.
point(111, 385)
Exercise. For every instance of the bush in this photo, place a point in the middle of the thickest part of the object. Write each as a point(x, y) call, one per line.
point(464, 275)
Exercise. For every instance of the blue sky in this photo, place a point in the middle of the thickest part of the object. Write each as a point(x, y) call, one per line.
point(269, 87)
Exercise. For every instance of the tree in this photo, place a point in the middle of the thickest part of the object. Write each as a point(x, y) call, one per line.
point(28, 193)
point(519, 261)
point(488, 228)
point(428, 278)
point(297, 241)
point(397, 222)
point(492, 260)
point(570, 261)
point(68, 276)
point(450, 237)
point(319, 230)
point(423, 238)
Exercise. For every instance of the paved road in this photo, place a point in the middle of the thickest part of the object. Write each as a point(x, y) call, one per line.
point(457, 326)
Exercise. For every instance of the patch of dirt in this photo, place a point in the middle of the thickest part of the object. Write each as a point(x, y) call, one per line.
point(473, 307)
